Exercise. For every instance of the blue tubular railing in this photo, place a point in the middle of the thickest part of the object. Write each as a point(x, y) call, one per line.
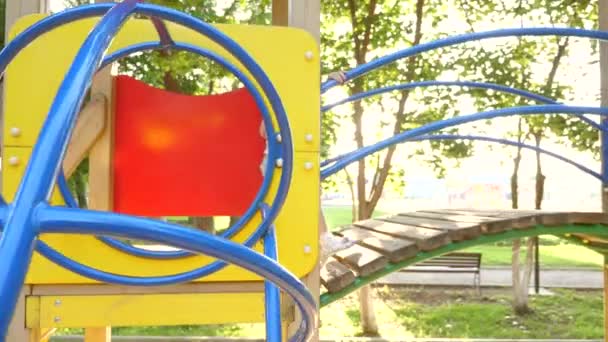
point(30, 215)
point(459, 120)
point(487, 139)
point(256, 72)
point(274, 148)
point(510, 143)
point(463, 38)
point(272, 301)
point(79, 221)
point(469, 84)
point(17, 241)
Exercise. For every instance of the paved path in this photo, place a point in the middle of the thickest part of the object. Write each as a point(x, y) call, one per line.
point(564, 278)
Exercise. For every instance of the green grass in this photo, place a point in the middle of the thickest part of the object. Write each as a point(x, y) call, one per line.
point(451, 314)
point(418, 312)
point(554, 252)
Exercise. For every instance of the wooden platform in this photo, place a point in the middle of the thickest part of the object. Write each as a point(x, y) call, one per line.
point(396, 238)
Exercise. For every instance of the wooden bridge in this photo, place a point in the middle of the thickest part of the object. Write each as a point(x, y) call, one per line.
point(387, 244)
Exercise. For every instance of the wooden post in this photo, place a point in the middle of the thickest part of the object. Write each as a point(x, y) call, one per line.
point(14, 10)
point(101, 180)
point(304, 14)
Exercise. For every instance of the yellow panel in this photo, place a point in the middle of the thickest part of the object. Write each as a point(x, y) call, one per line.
point(296, 79)
point(142, 310)
point(298, 252)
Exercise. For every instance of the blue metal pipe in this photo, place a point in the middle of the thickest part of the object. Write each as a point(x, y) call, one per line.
point(86, 11)
point(510, 143)
point(479, 85)
point(459, 120)
point(274, 149)
point(463, 38)
point(71, 221)
point(17, 241)
point(272, 302)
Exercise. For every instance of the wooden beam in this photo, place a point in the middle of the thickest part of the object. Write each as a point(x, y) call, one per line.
point(306, 14)
point(280, 12)
point(101, 171)
point(89, 127)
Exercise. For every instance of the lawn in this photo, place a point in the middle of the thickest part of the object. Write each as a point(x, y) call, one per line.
point(419, 312)
point(554, 252)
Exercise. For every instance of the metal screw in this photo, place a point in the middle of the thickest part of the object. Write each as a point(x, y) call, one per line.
point(57, 302)
point(308, 137)
point(307, 249)
point(13, 161)
point(279, 137)
point(308, 165)
point(15, 131)
point(279, 162)
point(308, 55)
point(57, 319)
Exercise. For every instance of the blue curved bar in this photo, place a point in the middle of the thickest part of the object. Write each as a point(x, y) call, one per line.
point(274, 149)
point(463, 38)
point(272, 303)
point(71, 221)
point(87, 11)
point(459, 120)
point(510, 143)
point(470, 84)
point(20, 231)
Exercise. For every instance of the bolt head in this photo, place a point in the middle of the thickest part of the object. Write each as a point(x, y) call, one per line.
point(13, 160)
point(307, 249)
point(308, 55)
point(15, 131)
point(279, 162)
point(57, 302)
point(308, 165)
point(57, 319)
point(279, 137)
point(308, 137)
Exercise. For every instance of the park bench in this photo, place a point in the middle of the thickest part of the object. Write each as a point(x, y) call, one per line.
point(451, 263)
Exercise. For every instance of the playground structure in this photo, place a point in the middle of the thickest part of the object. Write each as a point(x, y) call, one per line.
point(82, 276)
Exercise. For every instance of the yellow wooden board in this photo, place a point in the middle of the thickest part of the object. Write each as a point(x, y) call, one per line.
point(298, 247)
point(143, 310)
point(33, 78)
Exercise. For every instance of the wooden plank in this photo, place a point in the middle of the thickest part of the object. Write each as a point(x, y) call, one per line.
point(89, 127)
point(280, 12)
point(394, 249)
point(457, 231)
point(335, 276)
point(588, 218)
point(506, 219)
point(106, 289)
point(426, 239)
point(489, 225)
point(362, 260)
point(450, 216)
point(102, 334)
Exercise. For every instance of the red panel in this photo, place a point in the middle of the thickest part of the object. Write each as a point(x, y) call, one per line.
point(185, 155)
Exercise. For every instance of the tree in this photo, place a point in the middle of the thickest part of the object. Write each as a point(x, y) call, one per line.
point(379, 26)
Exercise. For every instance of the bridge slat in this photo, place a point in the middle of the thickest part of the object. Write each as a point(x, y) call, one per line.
point(489, 225)
point(362, 260)
point(393, 248)
point(335, 276)
point(426, 239)
point(505, 219)
point(457, 231)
